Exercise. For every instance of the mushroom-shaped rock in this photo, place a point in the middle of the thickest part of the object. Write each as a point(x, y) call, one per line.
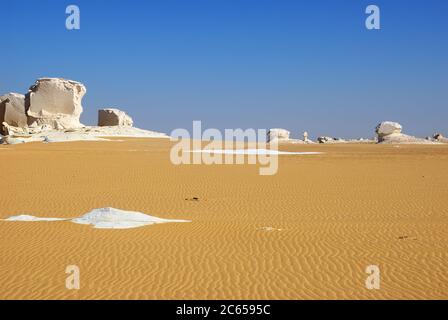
point(277, 135)
point(390, 132)
point(55, 102)
point(387, 128)
point(114, 117)
point(12, 110)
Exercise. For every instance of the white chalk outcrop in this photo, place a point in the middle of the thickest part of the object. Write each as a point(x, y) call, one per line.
point(438, 137)
point(278, 135)
point(114, 117)
point(50, 112)
point(20, 135)
point(330, 140)
point(12, 111)
point(391, 133)
point(55, 102)
point(386, 128)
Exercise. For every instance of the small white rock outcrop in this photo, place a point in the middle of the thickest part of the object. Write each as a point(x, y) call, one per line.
point(114, 117)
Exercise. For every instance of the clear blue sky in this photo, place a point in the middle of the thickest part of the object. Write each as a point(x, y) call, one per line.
point(300, 65)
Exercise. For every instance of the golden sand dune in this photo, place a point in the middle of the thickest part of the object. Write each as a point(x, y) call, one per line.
point(308, 232)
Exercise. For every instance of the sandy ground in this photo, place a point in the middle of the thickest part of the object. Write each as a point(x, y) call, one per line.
point(354, 206)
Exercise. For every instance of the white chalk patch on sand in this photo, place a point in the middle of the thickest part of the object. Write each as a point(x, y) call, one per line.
point(25, 217)
point(269, 229)
point(85, 134)
point(105, 218)
point(252, 152)
point(110, 218)
point(70, 137)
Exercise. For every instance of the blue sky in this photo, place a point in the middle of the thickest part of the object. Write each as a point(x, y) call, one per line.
point(300, 65)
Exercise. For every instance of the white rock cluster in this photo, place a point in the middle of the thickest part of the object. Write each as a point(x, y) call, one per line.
point(51, 111)
point(51, 103)
point(278, 135)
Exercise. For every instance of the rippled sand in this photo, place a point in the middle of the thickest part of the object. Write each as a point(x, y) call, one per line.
point(308, 232)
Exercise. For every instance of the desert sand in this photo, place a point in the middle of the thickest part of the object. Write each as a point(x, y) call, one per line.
point(308, 232)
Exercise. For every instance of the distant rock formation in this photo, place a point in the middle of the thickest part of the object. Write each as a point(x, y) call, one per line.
point(439, 138)
point(390, 132)
point(330, 140)
point(283, 136)
point(55, 102)
point(12, 110)
point(325, 139)
point(305, 136)
point(278, 135)
point(386, 128)
point(114, 117)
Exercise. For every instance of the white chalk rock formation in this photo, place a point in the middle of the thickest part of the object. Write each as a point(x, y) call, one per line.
point(387, 128)
point(330, 140)
point(325, 139)
point(12, 111)
point(390, 132)
point(278, 135)
point(114, 117)
point(438, 137)
point(55, 102)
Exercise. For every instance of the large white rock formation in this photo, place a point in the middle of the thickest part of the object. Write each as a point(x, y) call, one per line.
point(390, 132)
point(50, 112)
point(55, 102)
point(278, 135)
point(387, 128)
point(114, 117)
point(12, 111)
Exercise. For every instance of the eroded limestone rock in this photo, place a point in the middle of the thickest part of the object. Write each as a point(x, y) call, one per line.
point(55, 102)
point(278, 135)
point(12, 111)
point(114, 117)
